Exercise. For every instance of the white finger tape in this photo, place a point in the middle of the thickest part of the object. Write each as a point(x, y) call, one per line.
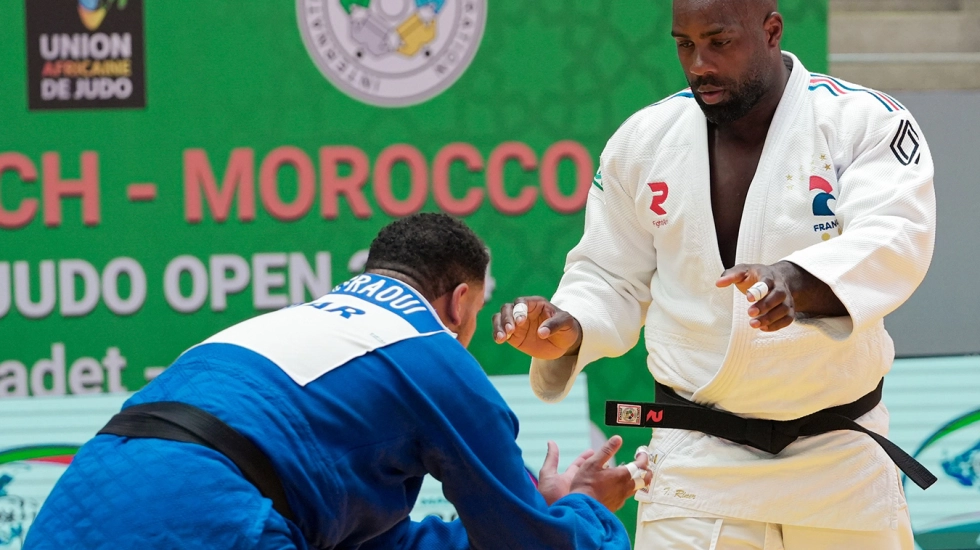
point(638, 475)
point(642, 450)
point(520, 311)
point(758, 291)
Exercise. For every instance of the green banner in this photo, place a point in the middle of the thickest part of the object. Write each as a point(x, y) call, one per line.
point(165, 176)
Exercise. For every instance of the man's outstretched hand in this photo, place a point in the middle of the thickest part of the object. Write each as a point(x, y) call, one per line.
point(588, 474)
point(792, 290)
point(553, 485)
point(543, 331)
point(777, 310)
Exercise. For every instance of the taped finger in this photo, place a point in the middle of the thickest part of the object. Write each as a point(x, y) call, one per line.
point(520, 311)
point(642, 450)
point(758, 291)
point(638, 475)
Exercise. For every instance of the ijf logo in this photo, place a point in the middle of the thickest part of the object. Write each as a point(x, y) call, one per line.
point(392, 53)
point(628, 414)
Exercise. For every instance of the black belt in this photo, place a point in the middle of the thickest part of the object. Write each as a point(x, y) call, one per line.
point(182, 422)
point(772, 436)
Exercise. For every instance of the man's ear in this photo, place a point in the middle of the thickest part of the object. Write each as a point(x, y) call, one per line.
point(455, 303)
point(774, 29)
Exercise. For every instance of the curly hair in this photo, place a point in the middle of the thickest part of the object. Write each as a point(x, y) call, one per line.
point(436, 250)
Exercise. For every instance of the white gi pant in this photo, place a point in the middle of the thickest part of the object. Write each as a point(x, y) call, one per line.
point(715, 533)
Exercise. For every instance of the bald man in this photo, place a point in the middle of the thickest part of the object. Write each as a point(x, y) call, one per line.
point(760, 224)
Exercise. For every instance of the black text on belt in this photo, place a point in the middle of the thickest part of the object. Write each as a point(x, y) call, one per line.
point(175, 421)
point(772, 436)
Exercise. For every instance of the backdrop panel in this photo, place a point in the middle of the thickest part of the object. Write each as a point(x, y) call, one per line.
point(170, 168)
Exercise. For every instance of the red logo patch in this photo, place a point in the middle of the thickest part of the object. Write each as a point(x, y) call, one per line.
point(656, 416)
point(659, 197)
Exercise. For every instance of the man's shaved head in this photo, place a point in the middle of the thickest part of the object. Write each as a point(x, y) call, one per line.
point(746, 7)
point(749, 13)
point(759, 7)
point(757, 10)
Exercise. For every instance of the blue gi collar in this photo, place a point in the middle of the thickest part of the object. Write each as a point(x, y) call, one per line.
point(396, 297)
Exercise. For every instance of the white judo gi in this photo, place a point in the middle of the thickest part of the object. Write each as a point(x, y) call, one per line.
point(844, 189)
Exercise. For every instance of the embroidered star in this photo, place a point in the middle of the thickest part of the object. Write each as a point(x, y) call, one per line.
point(789, 177)
point(826, 167)
point(823, 157)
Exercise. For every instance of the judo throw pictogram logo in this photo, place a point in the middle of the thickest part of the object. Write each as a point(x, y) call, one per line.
point(628, 414)
point(392, 53)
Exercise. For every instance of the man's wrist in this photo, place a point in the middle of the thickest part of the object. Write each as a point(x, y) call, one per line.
point(811, 296)
point(791, 273)
point(577, 346)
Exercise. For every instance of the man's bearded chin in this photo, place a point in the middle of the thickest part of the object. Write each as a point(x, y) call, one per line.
point(742, 98)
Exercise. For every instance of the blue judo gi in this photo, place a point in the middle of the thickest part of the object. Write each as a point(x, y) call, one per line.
point(354, 397)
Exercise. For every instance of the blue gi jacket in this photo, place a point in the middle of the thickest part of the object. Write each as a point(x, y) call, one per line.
point(351, 420)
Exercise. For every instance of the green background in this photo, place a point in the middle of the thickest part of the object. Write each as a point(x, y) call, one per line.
point(223, 75)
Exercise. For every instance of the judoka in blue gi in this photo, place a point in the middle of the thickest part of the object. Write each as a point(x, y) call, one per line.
point(353, 398)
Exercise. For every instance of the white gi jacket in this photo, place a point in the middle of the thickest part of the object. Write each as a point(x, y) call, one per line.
point(844, 189)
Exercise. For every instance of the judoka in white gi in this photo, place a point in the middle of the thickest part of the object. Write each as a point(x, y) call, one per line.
point(760, 172)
